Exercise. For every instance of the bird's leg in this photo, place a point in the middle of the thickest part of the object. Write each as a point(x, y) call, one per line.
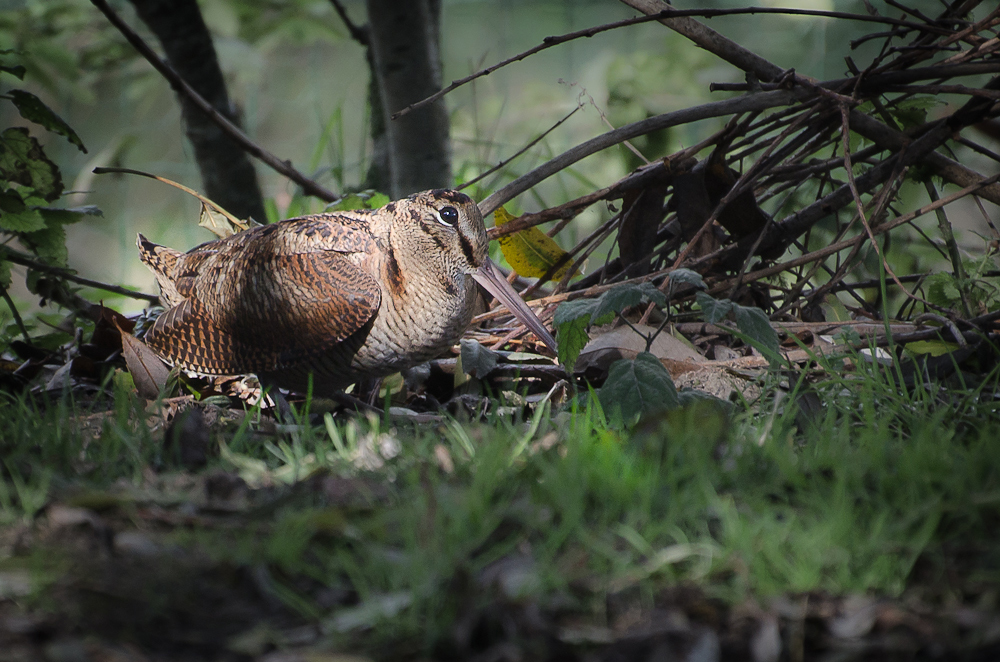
point(376, 386)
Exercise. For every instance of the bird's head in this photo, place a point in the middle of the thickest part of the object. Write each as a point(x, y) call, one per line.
point(447, 225)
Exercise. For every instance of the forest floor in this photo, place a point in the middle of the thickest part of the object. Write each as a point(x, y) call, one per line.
point(850, 520)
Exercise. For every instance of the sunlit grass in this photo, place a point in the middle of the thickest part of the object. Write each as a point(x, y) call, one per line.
point(852, 499)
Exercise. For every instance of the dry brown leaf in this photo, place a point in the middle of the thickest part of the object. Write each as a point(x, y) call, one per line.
point(624, 343)
point(149, 373)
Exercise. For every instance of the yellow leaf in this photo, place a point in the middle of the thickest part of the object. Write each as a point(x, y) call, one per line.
point(531, 252)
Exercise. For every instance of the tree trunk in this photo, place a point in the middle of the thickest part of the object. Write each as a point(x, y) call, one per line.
point(227, 174)
point(378, 176)
point(405, 49)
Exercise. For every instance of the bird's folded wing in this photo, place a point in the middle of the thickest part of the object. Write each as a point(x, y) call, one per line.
point(266, 313)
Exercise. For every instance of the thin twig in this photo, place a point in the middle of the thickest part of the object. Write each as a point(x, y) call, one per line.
point(944, 227)
point(283, 167)
point(874, 82)
point(666, 14)
point(745, 180)
point(518, 153)
point(16, 257)
point(845, 136)
point(749, 103)
point(17, 316)
point(848, 243)
point(638, 179)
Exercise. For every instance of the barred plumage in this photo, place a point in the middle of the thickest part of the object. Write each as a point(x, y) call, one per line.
point(339, 296)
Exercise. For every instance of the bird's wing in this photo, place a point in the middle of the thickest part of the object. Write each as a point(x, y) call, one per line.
point(253, 310)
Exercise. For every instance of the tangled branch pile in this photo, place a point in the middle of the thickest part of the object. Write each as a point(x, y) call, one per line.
point(802, 187)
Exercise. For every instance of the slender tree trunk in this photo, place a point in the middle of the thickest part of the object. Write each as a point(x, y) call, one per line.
point(405, 49)
point(227, 174)
point(378, 176)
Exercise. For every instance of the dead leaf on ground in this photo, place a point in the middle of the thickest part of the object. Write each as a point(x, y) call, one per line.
point(624, 343)
point(148, 372)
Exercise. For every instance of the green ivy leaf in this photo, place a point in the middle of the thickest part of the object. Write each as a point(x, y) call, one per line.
point(752, 325)
point(23, 161)
point(573, 318)
point(755, 324)
point(477, 359)
point(636, 387)
point(942, 289)
point(623, 297)
point(34, 110)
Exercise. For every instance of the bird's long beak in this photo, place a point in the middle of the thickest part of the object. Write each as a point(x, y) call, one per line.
point(490, 277)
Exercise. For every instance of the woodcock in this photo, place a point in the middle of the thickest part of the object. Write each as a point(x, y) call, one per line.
point(339, 296)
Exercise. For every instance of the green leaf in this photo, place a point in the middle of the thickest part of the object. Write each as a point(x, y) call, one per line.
point(687, 277)
point(34, 110)
point(694, 398)
point(477, 359)
point(636, 387)
point(848, 335)
point(571, 337)
point(623, 297)
point(573, 318)
point(23, 161)
point(49, 243)
point(29, 220)
point(10, 201)
point(933, 347)
point(757, 327)
point(15, 216)
point(68, 215)
point(942, 289)
point(570, 311)
point(912, 112)
point(5, 278)
point(369, 199)
point(752, 325)
point(713, 310)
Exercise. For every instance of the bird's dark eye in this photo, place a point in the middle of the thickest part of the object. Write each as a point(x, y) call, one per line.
point(449, 215)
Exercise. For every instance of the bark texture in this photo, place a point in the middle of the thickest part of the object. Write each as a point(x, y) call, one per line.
point(228, 176)
point(405, 50)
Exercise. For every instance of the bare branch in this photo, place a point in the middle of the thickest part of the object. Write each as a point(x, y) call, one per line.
point(667, 14)
point(848, 243)
point(749, 103)
point(518, 152)
point(16, 257)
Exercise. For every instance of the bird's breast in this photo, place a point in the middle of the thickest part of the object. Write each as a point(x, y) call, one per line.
point(419, 321)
